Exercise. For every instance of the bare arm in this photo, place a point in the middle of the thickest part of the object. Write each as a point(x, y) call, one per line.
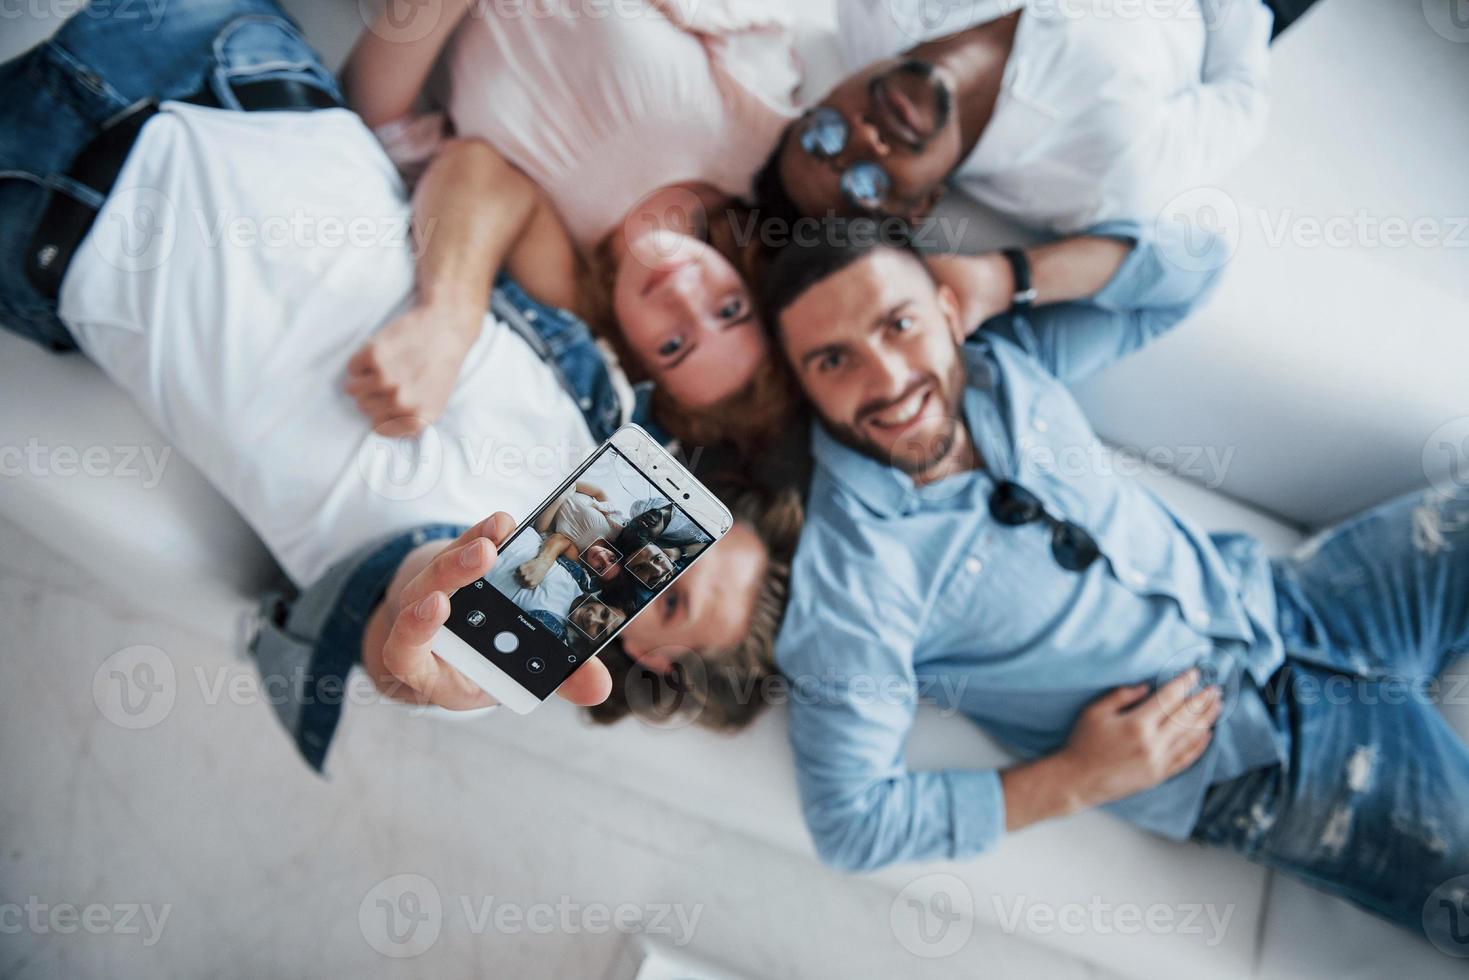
point(473, 212)
point(393, 57)
point(1061, 272)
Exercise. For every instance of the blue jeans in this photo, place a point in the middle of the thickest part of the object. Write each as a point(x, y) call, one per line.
point(1373, 804)
point(60, 94)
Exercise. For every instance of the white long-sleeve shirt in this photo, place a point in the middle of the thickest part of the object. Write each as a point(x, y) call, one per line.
point(1108, 108)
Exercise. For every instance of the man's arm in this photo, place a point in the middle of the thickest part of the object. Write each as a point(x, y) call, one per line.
point(1063, 271)
point(1158, 281)
point(392, 59)
point(865, 809)
point(1123, 743)
point(470, 211)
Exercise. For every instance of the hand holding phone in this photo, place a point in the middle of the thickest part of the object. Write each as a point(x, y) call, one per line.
point(519, 635)
point(405, 666)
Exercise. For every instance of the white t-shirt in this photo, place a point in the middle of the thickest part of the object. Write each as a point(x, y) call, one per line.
point(241, 261)
point(582, 519)
point(557, 591)
point(1107, 108)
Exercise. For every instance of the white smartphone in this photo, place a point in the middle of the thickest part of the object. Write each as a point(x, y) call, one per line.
point(592, 557)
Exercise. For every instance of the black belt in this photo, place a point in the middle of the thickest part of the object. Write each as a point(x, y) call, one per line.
point(66, 221)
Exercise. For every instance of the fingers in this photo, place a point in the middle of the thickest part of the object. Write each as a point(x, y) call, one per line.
point(1188, 750)
point(1168, 697)
point(1200, 710)
point(591, 684)
point(1121, 698)
point(408, 656)
point(470, 557)
point(381, 396)
point(364, 364)
point(453, 568)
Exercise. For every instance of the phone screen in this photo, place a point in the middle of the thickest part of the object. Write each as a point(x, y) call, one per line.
point(572, 577)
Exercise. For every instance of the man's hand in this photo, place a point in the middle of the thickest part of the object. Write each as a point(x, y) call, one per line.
point(983, 284)
point(398, 653)
point(1125, 742)
point(1128, 741)
point(402, 378)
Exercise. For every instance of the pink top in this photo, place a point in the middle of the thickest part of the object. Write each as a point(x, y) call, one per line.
point(602, 102)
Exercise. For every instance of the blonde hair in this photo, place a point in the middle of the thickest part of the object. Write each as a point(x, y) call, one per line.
point(718, 689)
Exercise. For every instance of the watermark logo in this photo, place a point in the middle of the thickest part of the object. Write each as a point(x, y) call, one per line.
point(401, 21)
point(1446, 917)
point(1205, 222)
point(401, 467)
point(136, 229)
point(1446, 458)
point(1448, 18)
point(401, 916)
point(662, 694)
point(135, 688)
point(665, 229)
point(933, 916)
point(1214, 671)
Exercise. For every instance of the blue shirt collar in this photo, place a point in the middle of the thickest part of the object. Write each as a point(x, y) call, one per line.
point(886, 490)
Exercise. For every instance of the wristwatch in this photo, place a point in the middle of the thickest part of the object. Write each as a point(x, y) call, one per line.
point(1025, 293)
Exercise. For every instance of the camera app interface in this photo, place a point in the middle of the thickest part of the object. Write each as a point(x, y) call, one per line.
point(584, 566)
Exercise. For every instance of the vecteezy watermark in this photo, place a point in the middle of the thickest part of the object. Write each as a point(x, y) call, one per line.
point(135, 688)
point(139, 228)
point(1369, 689)
point(942, 234)
point(1099, 916)
point(407, 21)
point(1449, 19)
point(150, 11)
point(1364, 229)
point(933, 916)
point(1209, 224)
point(403, 916)
point(931, 19)
point(1446, 917)
point(1205, 465)
point(1205, 222)
point(1446, 458)
point(37, 459)
point(409, 467)
point(97, 918)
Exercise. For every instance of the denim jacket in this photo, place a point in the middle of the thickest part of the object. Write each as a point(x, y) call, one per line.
point(306, 642)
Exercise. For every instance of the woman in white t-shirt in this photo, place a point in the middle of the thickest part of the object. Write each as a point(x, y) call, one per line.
point(642, 127)
point(581, 525)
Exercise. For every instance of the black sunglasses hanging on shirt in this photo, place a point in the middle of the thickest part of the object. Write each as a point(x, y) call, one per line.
point(1014, 506)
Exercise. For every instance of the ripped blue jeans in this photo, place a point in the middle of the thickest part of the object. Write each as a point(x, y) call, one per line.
point(1373, 802)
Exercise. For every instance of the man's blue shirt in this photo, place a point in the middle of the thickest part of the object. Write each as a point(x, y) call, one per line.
point(901, 590)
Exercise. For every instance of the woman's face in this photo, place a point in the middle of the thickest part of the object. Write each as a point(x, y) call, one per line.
point(708, 607)
point(602, 560)
point(688, 318)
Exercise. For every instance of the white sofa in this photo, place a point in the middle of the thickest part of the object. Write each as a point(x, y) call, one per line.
point(1247, 375)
